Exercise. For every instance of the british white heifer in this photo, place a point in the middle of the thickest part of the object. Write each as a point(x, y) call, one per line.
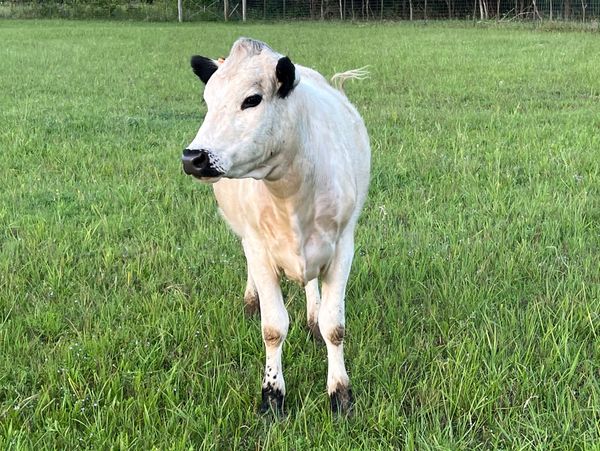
point(289, 157)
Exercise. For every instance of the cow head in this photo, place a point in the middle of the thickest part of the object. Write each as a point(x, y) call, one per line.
point(246, 127)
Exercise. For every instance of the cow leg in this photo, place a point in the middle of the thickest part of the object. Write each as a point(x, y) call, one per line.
point(332, 324)
point(251, 302)
point(274, 325)
point(313, 300)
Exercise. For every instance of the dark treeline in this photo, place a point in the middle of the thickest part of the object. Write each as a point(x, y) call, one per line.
point(574, 10)
point(423, 9)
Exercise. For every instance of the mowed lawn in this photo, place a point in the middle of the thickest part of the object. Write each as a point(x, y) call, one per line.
point(473, 308)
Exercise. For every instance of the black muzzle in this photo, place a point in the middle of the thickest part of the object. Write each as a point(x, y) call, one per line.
point(197, 163)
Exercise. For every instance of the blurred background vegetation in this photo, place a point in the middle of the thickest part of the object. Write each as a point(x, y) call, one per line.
point(586, 11)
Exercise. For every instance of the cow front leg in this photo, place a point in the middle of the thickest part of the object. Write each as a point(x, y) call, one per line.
point(332, 325)
point(313, 301)
point(274, 326)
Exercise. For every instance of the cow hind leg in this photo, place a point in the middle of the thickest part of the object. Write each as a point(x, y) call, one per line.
point(251, 300)
point(313, 301)
point(332, 325)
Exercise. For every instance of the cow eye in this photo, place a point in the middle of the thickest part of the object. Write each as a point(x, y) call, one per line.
point(252, 101)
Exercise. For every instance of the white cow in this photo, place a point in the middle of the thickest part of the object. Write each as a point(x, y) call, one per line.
point(289, 157)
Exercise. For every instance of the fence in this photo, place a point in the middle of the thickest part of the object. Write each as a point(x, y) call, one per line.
point(365, 10)
point(341, 10)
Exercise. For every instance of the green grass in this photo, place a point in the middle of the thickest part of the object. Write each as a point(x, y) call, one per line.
point(473, 305)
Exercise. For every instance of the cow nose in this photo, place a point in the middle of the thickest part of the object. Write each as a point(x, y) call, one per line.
point(195, 161)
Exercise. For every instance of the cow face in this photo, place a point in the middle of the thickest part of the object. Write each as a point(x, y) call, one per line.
point(244, 131)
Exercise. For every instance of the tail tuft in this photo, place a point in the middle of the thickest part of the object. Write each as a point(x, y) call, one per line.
point(338, 80)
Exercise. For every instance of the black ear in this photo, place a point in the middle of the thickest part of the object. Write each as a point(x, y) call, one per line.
point(286, 74)
point(203, 67)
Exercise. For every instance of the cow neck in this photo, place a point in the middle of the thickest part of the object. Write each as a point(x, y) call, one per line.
point(296, 182)
point(294, 175)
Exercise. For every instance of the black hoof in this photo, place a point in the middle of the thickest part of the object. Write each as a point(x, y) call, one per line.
point(342, 401)
point(251, 305)
point(272, 401)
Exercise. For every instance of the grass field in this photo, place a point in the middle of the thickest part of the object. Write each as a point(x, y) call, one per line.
point(474, 302)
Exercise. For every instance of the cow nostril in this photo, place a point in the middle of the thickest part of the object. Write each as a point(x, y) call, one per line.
point(201, 161)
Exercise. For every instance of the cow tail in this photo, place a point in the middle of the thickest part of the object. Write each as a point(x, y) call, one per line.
point(339, 79)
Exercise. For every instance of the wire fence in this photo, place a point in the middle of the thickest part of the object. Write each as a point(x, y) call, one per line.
point(341, 10)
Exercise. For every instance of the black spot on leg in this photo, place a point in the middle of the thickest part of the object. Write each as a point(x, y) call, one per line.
point(251, 304)
point(315, 331)
point(272, 400)
point(342, 401)
point(271, 336)
point(336, 336)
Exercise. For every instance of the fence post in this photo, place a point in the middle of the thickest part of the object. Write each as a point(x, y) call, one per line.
point(180, 10)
